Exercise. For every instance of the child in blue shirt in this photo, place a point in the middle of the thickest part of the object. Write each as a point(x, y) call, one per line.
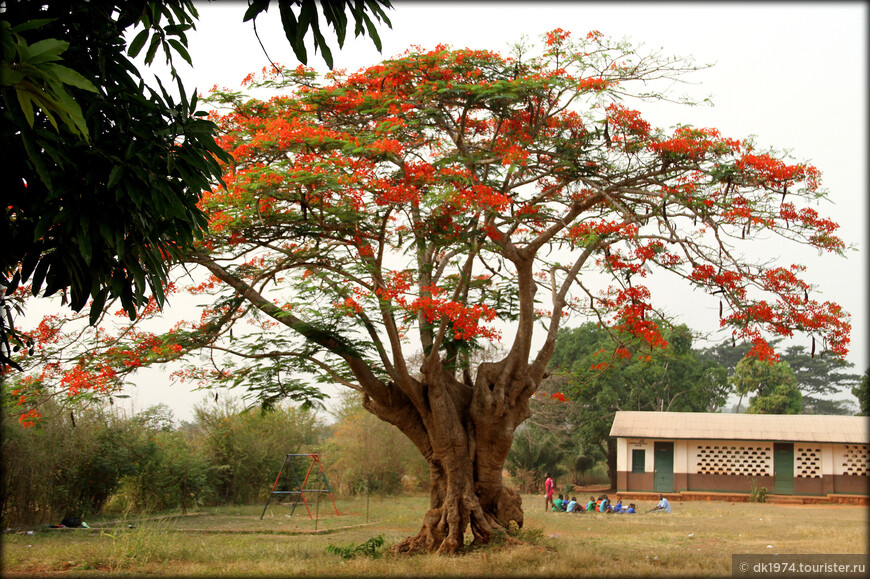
point(617, 508)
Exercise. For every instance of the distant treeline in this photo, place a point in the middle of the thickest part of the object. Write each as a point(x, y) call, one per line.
point(88, 462)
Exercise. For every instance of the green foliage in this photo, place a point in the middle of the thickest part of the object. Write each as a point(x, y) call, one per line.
point(38, 81)
point(93, 461)
point(773, 385)
point(758, 494)
point(367, 549)
point(366, 454)
point(69, 464)
point(100, 217)
point(586, 365)
point(819, 376)
point(171, 474)
point(246, 448)
point(535, 451)
point(861, 393)
point(102, 204)
point(296, 27)
point(270, 381)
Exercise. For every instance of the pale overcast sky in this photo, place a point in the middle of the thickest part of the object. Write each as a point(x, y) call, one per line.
point(793, 74)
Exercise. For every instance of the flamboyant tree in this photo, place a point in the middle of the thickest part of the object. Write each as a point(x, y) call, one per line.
point(446, 198)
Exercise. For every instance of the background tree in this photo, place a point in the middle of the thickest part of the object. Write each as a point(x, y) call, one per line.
point(536, 451)
point(409, 206)
point(772, 384)
point(99, 460)
point(71, 464)
point(861, 393)
point(246, 448)
point(601, 382)
point(365, 454)
point(818, 376)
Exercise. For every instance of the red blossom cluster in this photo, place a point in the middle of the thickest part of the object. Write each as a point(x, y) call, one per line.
point(465, 319)
point(557, 36)
point(80, 378)
point(631, 305)
point(628, 120)
point(809, 217)
point(695, 143)
point(596, 84)
point(29, 418)
point(772, 171)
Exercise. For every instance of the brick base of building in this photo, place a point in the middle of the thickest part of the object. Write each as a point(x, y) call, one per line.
point(627, 496)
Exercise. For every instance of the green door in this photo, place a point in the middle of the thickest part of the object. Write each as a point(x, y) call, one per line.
point(664, 467)
point(783, 469)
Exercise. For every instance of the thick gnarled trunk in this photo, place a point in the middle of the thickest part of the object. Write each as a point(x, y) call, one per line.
point(465, 437)
point(457, 505)
point(466, 494)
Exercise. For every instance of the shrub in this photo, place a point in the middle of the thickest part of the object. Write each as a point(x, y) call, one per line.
point(69, 463)
point(367, 549)
point(757, 494)
point(365, 454)
point(171, 475)
point(246, 448)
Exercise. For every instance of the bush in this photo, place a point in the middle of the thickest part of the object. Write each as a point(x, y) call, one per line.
point(78, 462)
point(366, 454)
point(69, 463)
point(757, 494)
point(171, 473)
point(246, 448)
point(525, 480)
point(367, 549)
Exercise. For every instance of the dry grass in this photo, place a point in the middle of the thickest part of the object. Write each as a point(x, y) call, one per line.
point(698, 538)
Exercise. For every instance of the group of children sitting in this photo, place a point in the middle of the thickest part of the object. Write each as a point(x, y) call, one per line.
point(601, 505)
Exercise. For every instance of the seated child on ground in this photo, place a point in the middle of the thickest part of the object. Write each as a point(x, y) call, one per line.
point(630, 510)
point(572, 507)
point(557, 504)
point(590, 506)
point(617, 508)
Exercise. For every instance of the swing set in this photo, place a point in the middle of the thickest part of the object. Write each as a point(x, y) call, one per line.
point(298, 489)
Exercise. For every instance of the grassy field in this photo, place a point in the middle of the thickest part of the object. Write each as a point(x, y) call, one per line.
point(698, 538)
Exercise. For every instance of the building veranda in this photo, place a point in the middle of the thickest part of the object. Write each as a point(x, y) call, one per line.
point(708, 455)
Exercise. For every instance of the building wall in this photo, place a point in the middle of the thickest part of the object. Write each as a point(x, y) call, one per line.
point(851, 465)
point(734, 466)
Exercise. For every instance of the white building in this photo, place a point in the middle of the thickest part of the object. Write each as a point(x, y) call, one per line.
point(688, 452)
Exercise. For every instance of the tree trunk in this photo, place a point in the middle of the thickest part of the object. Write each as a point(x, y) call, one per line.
point(465, 437)
point(459, 502)
point(611, 462)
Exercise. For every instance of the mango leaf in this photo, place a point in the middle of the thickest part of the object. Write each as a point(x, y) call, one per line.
point(138, 43)
point(45, 50)
point(69, 76)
